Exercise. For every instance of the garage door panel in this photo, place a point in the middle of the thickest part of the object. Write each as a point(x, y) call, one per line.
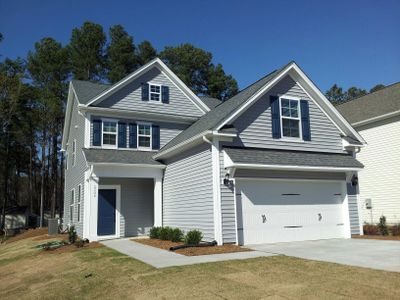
point(314, 210)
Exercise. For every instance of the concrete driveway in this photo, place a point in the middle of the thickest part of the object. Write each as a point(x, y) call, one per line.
point(375, 254)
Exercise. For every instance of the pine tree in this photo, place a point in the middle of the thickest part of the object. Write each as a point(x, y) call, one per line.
point(145, 53)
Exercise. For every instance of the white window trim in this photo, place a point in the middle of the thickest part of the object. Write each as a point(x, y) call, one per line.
point(78, 204)
point(155, 84)
point(116, 133)
point(71, 206)
point(288, 138)
point(151, 136)
point(74, 153)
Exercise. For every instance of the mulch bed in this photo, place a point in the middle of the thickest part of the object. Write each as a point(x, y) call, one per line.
point(377, 237)
point(193, 251)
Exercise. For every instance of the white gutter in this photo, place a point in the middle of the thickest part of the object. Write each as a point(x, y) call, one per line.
point(130, 165)
point(291, 168)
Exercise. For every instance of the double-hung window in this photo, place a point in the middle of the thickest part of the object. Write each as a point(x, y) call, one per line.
point(109, 133)
point(290, 118)
point(144, 136)
point(155, 92)
point(78, 204)
point(71, 206)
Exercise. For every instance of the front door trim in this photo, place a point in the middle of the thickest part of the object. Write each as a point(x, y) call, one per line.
point(117, 189)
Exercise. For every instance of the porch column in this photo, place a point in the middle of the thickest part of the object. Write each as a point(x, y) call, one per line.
point(158, 201)
point(93, 206)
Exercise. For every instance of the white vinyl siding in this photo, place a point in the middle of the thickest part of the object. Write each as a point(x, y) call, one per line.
point(130, 98)
point(380, 179)
point(255, 126)
point(188, 192)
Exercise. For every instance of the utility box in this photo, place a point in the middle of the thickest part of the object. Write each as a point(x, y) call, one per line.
point(53, 226)
point(368, 203)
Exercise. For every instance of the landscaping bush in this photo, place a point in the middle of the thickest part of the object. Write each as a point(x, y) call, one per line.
point(175, 235)
point(395, 229)
point(155, 232)
point(72, 236)
point(370, 229)
point(193, 237)
point(165, 233)
point(383, 228)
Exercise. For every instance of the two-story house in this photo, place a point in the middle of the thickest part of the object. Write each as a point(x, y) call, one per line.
point(274, 163)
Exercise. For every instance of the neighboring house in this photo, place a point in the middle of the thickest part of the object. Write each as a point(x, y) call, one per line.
point(274, 163)
point(376, 117)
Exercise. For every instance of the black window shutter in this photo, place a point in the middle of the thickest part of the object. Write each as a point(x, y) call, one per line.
point(96, 138)
point(132, 135)
point(121, 135)
point(165, 94)
point(155, 137)
point(305, 120)
point(276, 117)
point(145, 92)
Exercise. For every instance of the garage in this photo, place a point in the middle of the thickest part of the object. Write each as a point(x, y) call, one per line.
point(276, 210)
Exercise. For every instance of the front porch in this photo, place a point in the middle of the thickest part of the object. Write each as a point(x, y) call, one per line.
point(122, 201)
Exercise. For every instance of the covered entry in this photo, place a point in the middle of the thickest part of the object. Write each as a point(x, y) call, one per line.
point(272, 211)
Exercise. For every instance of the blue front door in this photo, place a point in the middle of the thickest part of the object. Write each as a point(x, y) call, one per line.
point(106, 212)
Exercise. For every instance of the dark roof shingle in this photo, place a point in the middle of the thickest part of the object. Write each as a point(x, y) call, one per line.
point(291, 158)
point(86, 90)
point(375, 104)
point(120, 156)
point(210, 102)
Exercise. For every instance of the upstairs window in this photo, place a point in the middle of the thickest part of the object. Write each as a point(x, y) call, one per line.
point(155, 92)
point(144, 136)
point(109, 133)
point(290, 118)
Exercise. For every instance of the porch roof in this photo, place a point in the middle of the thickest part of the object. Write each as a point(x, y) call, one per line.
point(115, 156)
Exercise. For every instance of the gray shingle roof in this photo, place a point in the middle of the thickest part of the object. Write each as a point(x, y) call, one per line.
point(120, 156)
point(291, 158)
point(375, 104)
point(210, 102)
point(219, 113)
point(86, 90)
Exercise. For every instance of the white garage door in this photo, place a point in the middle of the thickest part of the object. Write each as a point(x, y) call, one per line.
point(271, 211)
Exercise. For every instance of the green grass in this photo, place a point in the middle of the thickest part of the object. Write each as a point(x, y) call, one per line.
point(26, 273)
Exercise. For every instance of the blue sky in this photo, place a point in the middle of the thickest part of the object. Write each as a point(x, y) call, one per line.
point(345, 42)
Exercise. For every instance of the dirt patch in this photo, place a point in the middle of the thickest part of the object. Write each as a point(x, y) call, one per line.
point(29, 233)
point(192, 251)
point(49, 237)
point(72, 248)
point(377, 237)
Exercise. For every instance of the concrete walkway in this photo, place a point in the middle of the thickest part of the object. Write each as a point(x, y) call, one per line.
point(374, 254)
point(161, 258)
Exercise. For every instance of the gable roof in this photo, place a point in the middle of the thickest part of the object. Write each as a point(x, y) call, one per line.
point(229, 109)
point(210, 102)
point(86, 90)
point(373, 105)
point(219, 113)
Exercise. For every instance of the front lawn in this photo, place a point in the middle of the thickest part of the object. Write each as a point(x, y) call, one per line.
point(99, 272)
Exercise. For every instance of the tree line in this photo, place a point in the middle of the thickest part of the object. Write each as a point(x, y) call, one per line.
point(33, 92)
point(338, 95)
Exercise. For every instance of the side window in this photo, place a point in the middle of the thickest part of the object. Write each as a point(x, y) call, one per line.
point(290, 118)
point(66, 159)
point(71, 206)
point(155, 92)
point(73, 153)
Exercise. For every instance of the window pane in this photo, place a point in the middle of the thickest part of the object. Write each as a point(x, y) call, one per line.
point(144, 141)
point(154, 89)
point(144, 129)
point(155, 97)
point(109, 139)
point(285, 112)
point(72, 197)
point(79, 212)
point(290, 128)
point(293, 108)
point(109, 127)
point(71, 212)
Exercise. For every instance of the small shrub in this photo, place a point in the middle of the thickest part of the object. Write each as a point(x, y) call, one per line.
point(370, 229)
point(395, 229)
point(175, 235)
point(383, 228)
point(155, 232)
point(193, 237)
point(79, 243)
point(165, 233)
point(72, 236)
